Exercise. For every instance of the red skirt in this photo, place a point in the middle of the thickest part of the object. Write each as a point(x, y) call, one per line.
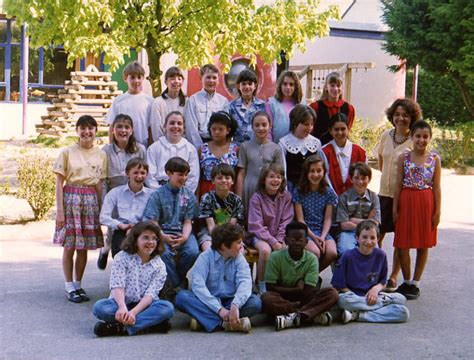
point(413, 229)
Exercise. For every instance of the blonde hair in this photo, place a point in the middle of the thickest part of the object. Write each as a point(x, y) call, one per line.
point(331, 78)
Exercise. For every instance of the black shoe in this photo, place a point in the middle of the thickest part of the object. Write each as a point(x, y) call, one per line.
point(73, 296)
point(411, 292)
point(102, 260)
point(161, 328)
point(82, 293)
point(102, 329)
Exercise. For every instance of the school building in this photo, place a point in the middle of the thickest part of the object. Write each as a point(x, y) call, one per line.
point(356, 39)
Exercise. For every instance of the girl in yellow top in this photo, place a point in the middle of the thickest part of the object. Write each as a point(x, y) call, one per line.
point(83, 167)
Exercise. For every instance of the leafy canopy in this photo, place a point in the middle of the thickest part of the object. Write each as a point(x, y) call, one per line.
point(436, 34)
point(195, 30)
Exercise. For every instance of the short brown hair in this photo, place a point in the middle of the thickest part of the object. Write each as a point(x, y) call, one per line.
point(277, 169)
point(304, 185)
point(134, 69)
point(300, 114)
point(225, 234)
point(411, 107)
point(367, 225)
point(134, 163)
point(297, 95)
point(208, 67)
point(129, 245)
point(362, 168)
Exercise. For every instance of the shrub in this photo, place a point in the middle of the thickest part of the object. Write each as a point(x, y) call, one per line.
point(456, 146)
point(37, 184)
point(368, 136)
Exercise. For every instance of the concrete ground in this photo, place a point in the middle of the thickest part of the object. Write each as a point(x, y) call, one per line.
point(37, 322)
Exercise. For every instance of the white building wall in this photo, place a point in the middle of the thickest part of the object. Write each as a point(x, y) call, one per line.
point(11, 120)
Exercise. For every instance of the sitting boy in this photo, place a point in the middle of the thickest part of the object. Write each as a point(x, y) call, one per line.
point(356, 205)
point(221, 285)
point(202, 104)
point(360, 275)
point(219, 206)
point(123, 205)
point(173, 206)
point(291, 277)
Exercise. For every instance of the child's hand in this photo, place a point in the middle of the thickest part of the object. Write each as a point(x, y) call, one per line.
point(372, 296)
point(234, 315)
point(300, 284)
point(130, 318)
point(320, 243)
point(277, 246)
point(60, 219)
point(121, 315)
point(168, 239)
point(124, 227)
point(435, 220)
point(395, 215)
point(178, 240)
point(224, 314)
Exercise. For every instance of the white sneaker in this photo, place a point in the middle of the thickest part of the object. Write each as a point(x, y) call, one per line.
point(348, 316)
point(194, 325)
point(287, 321)
point(324, 319)
point(244, 325)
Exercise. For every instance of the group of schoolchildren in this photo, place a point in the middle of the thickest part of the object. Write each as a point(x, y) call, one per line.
point(184, 175)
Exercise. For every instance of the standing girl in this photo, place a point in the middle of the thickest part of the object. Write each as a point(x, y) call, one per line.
point(123, 149)
point(329, 105)
point(314, 203)
point(138, 274)
point(288, 94)
point(243, 108)
point(340, 153)
point(402, 114)
point(171, 145)
point(220, 150)
point(254, 155)
point(299, 144)
point(172, 99)
point(416, 206)
point(270, 210)
point(83, 167)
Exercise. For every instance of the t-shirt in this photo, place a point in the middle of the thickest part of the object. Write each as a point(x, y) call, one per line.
point(314, 206)
point(138, 107)
point(221, 210)
point(352, 205)
point(359, 272)
point(284, 271)
point(81, 166)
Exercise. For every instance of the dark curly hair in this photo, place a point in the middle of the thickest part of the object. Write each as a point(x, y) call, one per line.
point(130, 246)
point(411, 107)
point(225, 235)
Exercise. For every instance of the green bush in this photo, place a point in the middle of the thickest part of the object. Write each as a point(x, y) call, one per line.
point(37, 184)
point(456, 146)
point(368, 136)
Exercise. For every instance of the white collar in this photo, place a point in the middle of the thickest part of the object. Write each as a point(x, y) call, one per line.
point(294, 145)
point(180, 144)
point(346, 150)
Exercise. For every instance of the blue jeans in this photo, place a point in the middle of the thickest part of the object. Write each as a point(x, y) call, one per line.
point(179, 262)
point(346, 241)
point(187, 302)
point(388, 308)
point(156, 313)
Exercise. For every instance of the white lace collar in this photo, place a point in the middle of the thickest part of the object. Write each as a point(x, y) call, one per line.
point(294, 145)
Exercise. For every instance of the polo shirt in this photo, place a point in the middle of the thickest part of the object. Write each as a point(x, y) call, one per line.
point(282, 270)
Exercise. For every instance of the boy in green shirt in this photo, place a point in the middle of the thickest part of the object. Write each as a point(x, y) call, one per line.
point(291, 276)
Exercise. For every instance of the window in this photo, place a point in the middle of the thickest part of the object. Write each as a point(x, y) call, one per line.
point(231, 77)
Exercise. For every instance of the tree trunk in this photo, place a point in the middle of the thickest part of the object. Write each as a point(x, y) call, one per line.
point(465, 92)
point(154, 64)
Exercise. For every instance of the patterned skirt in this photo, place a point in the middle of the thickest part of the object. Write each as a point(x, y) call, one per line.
point(81, 230)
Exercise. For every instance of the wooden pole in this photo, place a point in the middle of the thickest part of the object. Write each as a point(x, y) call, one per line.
point(414, 83)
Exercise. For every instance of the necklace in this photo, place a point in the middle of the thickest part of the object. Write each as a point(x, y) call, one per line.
point(394, 138)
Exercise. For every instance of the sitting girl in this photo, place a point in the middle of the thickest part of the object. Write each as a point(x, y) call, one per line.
point(314, 202)
point(138, 274)
point(270, 210)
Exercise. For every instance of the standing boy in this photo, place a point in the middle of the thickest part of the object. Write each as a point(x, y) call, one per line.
point(360, 275)
point(202, 104)
point(356, 205)
point(219, 206)
point(221, 285)
point(291, 277)
point(133, 103)
point(173, 206)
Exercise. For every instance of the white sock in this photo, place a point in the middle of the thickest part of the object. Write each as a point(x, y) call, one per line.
point(262, 286)
point(408, 282)
point(77, 285)
point(69, 286)
point(416, 283)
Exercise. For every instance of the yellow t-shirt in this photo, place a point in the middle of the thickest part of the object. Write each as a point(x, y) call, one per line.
point(81, 166)
point(390, 155)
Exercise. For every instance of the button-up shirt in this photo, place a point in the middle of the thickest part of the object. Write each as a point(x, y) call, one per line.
point(197, 112)
point(170, 207)
point(137, 278)
point(353, 205)
point(123, 206)
point(243, 116)
point(214, 278)
point(161, 151)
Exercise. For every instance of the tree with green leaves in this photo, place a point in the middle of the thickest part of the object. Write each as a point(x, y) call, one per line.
point(436, 34)
point(195, 30)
